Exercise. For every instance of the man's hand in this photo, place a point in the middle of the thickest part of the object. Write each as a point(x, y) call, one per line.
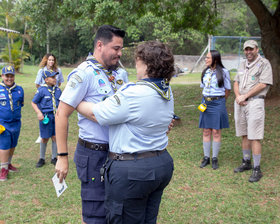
point(171, 125)
point(61, 167)
point(241, 98)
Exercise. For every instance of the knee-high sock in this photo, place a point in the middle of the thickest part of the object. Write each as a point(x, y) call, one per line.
point(4, 165)
point(207, 148)
point(257, 160)
point(43, 147)
point(246, 154)
point(54, 150)
point(216, 148)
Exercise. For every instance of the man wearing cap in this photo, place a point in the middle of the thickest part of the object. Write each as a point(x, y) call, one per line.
point(11, 102)
point(94, 80)
point(45, 104)
point(251, 85)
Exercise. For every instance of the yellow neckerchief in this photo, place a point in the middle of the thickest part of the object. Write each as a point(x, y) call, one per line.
point(9, 89)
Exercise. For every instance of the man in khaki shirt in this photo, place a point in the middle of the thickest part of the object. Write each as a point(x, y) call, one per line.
point(251, 85)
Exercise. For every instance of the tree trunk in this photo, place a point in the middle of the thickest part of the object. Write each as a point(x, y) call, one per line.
point(9, 46)
point(270, 33)
point(22, 46)
point(48, 41)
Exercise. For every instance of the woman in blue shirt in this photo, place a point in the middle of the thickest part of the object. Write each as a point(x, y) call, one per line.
point(138, 115)
point(215, 81)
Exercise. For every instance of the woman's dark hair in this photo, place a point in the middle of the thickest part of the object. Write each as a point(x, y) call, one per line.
point(218, 65)
point(158, 58)
point(44, 61)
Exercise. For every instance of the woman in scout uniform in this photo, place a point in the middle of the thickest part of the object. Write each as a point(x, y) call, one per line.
point(11, 102)
point(45, 103)
point(48, 63)
point(138, 115)
point(215, 81)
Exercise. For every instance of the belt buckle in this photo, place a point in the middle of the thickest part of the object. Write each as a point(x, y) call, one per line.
point(208, 99)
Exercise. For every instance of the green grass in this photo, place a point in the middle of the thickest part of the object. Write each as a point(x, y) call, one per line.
point(194, 195)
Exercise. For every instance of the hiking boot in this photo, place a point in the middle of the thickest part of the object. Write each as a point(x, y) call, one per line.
point(4, 174)
point(205, 161)
point(256, 175)
point(215, 164)
point(40, 163)
point(53, 161)
point(246, 165)
point(12, 168)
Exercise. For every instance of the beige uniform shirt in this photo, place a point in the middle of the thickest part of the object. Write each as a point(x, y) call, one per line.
point(260, 72)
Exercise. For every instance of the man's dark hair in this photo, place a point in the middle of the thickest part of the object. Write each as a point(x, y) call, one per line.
point(158, 58)
point(105, 33)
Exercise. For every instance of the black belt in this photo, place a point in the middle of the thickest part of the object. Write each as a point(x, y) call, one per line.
point(133, 156)
point(93, 146)
point(211, 98)
point(255, 97)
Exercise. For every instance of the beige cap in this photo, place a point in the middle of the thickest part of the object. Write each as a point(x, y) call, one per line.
point(250, 43)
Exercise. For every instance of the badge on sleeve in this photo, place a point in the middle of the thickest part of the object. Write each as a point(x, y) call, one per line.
point(119, 81)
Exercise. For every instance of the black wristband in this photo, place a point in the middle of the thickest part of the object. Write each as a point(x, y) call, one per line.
point(63, 154)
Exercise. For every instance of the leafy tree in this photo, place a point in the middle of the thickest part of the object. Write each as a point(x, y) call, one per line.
point(269, 22)
point(16, 56)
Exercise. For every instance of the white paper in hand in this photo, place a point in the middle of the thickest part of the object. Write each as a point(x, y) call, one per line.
point(59, 187)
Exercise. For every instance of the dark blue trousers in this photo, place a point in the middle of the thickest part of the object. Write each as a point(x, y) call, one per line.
point(133, 189)
point(88, 163)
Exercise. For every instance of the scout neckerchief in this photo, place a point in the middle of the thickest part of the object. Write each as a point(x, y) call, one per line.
point(158, 84)
point(247, 68)
point(208, 84)
point(109, 74)
point(9, 93)
point(52, 92)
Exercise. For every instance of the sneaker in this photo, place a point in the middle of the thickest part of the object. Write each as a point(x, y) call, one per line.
point(40, 163)
point(205, 161)
point(53, 161)
point(246, 165)
point(215, 164)
point(39, 139)
point(256, 175)
point(4, 174)
point(12, 168)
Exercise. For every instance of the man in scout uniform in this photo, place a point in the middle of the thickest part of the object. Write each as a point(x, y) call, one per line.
point(11, 102)
point(94, 80)
point(251, 85)
point(45, 103)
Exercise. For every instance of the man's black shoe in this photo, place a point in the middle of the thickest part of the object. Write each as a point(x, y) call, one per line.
point(205, 161)
point(215, 164)
point(40, 163)
point(53, 161)
point(246, 165)
point(256, 175)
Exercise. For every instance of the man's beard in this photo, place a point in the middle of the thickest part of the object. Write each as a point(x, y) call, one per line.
point(113, 67)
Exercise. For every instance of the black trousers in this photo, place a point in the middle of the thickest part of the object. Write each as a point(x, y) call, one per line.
point(133, 189)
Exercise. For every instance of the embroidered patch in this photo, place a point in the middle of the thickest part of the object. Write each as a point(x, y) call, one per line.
point(3, 102)
point(71, 84)
point(77, 77)
point(120, 81)
point(117, 99)
point(101, 83)
point(19, 92)
point(2, 90)
point(47, 97)
point(2, 96)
